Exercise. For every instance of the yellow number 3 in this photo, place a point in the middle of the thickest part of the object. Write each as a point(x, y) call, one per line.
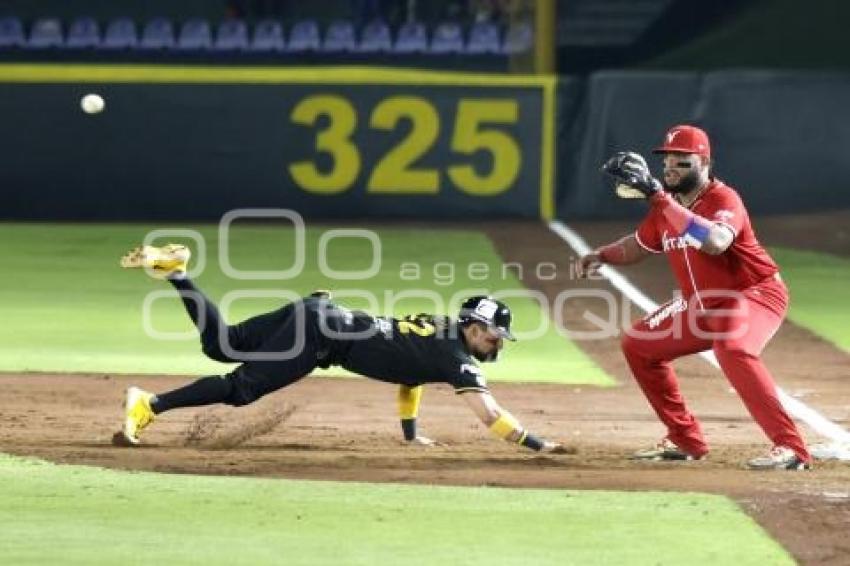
point(335, 140)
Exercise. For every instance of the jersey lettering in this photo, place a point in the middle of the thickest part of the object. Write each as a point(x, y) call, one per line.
point(669, 243)
point(677, 306)
point(418, 325)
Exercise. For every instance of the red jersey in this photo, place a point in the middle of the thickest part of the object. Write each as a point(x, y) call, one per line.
point(741, 266)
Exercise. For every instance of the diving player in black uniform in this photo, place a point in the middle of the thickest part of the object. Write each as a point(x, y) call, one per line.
point(278, 348)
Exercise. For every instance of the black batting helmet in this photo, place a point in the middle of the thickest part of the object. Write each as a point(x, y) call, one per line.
point(494, 314)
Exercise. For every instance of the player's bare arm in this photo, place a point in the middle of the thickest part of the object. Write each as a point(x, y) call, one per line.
point(503, 424)
point(718, 240)
point(624, 251)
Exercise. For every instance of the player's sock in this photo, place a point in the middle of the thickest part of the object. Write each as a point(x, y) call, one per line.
point(205, 391)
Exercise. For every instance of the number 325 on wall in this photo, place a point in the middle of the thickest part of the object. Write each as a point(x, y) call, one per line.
point(476, 128)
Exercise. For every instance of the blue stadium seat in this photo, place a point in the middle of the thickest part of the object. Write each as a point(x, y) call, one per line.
point(83, 33)
point(412, 38)
point(268, 36)
point(232, 35)
point(11, 33)
point(375, 37)
point(448, 38)
point(46, 33)
point(484, 37)
point(158, 33)
point(304, 36)
point(518, 39)
point(195, 35)
point(120, 34)
point(338, 37)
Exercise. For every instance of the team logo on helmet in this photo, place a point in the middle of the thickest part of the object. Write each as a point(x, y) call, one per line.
point(494, 314)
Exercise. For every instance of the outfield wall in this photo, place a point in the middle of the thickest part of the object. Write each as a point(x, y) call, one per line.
point(781, 138)
point(194, 143)
point(191, 143)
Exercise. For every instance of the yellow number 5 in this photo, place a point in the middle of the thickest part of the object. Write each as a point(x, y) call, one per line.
point(335, 140)
point(469, 137)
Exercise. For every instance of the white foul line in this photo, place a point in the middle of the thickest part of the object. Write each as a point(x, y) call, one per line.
point(796, 408)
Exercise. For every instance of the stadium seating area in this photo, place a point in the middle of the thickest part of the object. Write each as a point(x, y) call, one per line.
point(163, 36)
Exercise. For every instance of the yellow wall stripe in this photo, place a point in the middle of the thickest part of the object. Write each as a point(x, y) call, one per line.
point(49, 73)
point(547, 150)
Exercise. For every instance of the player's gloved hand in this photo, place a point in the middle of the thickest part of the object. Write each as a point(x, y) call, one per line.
point(588, 264)
point(556, 448)
point(423, 441)
point(632, 174)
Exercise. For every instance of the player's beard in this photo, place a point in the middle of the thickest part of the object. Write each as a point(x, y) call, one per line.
point(686, 184)
point(487, 357)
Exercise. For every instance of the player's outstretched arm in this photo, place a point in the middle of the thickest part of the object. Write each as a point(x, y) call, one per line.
point(503, 424)
point(624, 251)
point(408, 411)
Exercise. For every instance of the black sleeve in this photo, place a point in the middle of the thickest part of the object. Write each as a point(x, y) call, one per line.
point(464, 375)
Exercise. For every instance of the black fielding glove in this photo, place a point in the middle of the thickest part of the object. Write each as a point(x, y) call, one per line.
point(632, 175)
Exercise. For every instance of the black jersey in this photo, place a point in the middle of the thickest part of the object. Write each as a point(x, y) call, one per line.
point(409, 351)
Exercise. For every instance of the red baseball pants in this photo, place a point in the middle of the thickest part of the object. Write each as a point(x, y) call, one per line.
point(737, 327)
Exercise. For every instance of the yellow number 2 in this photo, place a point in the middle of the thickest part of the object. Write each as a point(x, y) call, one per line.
point(417, 326)
point(335, 140)
point(393, 173)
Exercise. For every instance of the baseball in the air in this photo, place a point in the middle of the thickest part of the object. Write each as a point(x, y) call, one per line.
point(92, 104)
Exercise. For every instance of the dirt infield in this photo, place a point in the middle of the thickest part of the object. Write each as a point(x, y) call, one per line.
point(346, 429)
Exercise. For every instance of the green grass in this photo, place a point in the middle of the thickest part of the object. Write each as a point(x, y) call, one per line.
point(67, 306)
point(818, 285)
point(58, 514)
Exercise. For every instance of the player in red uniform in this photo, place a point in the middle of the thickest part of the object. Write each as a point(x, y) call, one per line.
point(733, 299)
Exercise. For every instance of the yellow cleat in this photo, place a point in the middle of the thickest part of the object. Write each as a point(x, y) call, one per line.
point(169, 260)
point(137, 413)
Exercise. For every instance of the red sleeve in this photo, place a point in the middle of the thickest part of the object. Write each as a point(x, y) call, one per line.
point(725, 207)
point(647, 235)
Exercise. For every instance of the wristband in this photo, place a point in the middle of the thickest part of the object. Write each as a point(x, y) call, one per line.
point(696, 234)
point(693, 228)
point(531, 441)
point(408, 427)
point(505, 426)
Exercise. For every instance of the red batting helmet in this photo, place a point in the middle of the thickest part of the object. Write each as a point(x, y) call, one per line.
point(685, 139)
